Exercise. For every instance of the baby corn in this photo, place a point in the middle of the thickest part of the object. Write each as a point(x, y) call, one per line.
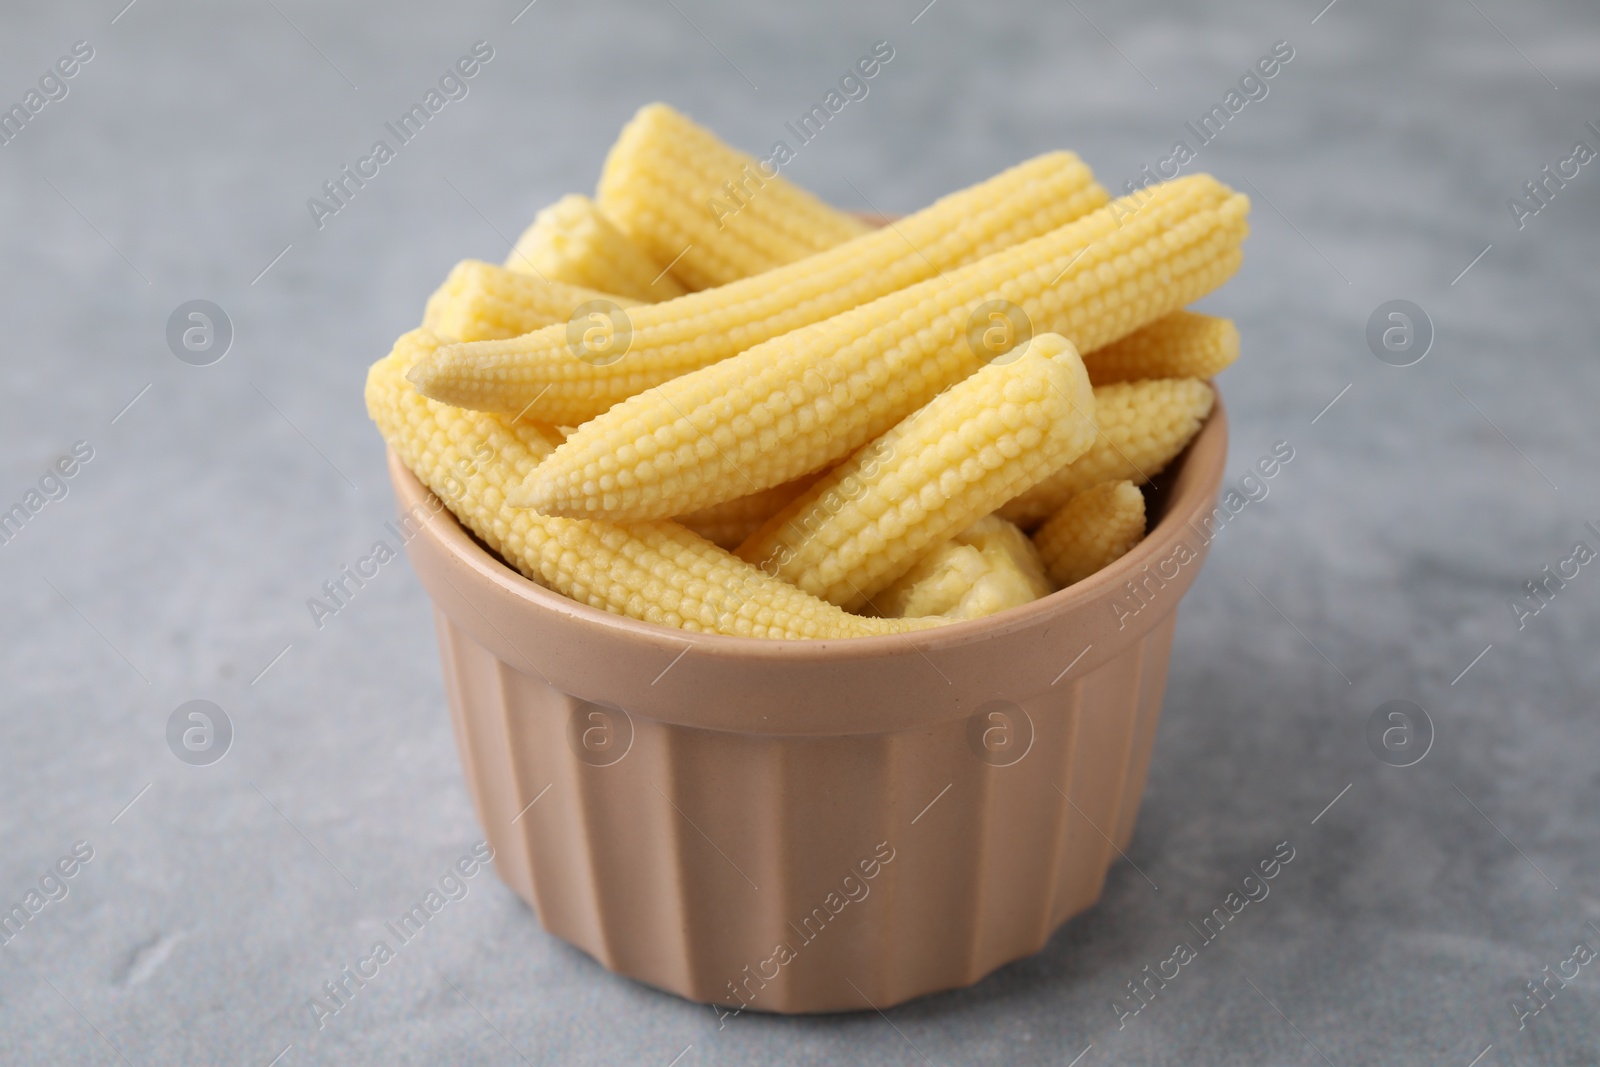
point(988, 567)
point(970, 449)
point(1142, 427)
point(795, 403)
point(689, 200)
point(658, 572)
point(571, 241)
point(668, 339)
point(479, 301)
point(1180, 345)
point(1091, 530)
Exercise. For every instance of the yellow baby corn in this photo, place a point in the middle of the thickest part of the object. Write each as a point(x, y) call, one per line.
point(1091, 530)
point(1180, 345)
point(479, 301)
point(729, 523)
point(571, 241)
point(795, 403)
point(1143, 427)
point(672, 338)
point(988, 567)
point(706, 209)
point(657, 571)
point(970, 449)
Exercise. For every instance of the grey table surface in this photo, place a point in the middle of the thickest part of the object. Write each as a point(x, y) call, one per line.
point(1382, 565)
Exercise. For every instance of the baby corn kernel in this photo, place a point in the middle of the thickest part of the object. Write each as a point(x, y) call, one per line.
point(970, 449)
point(988, 567)
point(1180, 345)
point(543, 373)
point(659, 186)
point(1142, 427)
point(1095, 528)
point(658, 572)
point(572, 241)
point(480, 301)
point(802, 400)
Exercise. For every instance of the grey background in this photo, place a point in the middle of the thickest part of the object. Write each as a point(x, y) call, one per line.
point(180, 563)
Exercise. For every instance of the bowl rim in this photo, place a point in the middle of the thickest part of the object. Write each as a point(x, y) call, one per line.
point(1193, 494)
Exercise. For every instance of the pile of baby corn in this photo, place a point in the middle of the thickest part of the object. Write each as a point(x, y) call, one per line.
point(708, 400)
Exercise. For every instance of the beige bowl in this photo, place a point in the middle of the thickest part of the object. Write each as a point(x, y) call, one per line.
point(809, 826)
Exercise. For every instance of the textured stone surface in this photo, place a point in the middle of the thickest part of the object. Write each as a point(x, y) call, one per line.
point(179, 564)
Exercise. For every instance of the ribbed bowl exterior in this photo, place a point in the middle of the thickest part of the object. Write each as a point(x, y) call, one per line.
point(811, 826)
